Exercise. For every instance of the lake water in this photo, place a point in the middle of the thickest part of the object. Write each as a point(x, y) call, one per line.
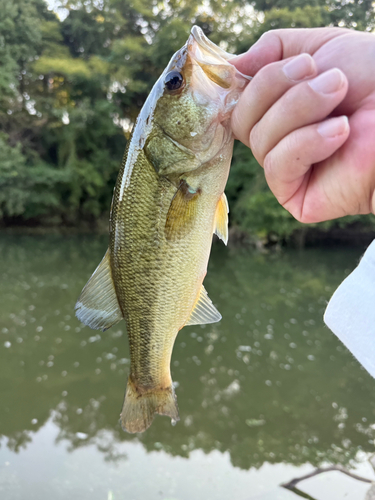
point(266, 395)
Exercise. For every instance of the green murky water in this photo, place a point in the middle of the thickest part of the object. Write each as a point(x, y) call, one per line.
point(264, 395)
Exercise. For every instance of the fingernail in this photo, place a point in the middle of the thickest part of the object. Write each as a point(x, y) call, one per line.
point(333, 127)
point(300, 67)
point(329, 82)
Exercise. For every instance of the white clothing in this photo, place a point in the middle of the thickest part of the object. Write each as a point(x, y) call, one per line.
point(350, 313)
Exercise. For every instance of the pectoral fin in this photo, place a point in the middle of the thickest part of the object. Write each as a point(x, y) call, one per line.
point(221, 219)
point(97, 306)
point(204, 312)
point(182, 212)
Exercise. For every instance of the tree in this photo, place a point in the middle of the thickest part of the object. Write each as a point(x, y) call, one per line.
point(68, 86)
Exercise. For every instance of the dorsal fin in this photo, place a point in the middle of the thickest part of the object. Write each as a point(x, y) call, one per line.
point(221, 219)
point(204, 312)
point(97, 306)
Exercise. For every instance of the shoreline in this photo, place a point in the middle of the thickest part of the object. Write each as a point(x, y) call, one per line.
point(306, 237)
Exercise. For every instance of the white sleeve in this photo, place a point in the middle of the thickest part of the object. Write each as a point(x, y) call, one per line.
point(350, 313)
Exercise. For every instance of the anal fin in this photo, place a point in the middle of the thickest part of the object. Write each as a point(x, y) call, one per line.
point(221, 219)
point(97, 306)
point(204, 312)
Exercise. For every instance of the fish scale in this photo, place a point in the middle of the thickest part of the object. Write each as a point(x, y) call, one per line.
point(168, 201)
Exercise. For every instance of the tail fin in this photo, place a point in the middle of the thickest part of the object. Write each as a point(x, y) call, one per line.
point(139, 408)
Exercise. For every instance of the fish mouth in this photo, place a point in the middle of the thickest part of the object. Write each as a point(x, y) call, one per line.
point(212, 59)
point(207, 48)
point(206, 53)
point(201, 49)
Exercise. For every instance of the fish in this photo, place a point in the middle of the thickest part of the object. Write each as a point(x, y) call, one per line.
point(168, 202)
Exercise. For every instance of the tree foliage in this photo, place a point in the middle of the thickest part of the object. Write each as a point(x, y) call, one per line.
point(70, 84)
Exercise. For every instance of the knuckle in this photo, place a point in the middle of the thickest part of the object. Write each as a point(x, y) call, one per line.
point(259, 85)
point(292, 145)
point(256, 144)
point(300, 106)
point(237, 125)
point(265, 77)
point(271, 37)
point(305, 216)
point(269, 166)
point(299, 216)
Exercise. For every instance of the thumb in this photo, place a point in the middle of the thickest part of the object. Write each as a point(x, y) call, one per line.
point(276, 45)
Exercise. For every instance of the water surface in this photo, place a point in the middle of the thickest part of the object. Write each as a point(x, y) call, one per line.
point(264, 396)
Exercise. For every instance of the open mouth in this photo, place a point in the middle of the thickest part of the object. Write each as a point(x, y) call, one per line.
point(207, 46)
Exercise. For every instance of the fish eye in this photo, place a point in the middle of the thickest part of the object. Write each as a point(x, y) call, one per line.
point(174, 80)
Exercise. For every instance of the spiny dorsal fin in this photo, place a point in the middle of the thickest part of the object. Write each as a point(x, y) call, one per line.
point(221, 219)
point(204, 312)
point(97, 306)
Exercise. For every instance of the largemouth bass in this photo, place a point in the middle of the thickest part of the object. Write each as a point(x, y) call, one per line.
point(168, 201)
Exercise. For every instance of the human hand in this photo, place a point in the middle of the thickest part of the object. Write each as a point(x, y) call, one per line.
point(319, 164)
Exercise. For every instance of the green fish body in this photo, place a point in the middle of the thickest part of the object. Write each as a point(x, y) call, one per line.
point(168, 201)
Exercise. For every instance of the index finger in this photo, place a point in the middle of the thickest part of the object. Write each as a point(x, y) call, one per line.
point(280, 44)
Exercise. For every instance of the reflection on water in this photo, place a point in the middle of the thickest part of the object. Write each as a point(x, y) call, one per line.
point(268, 384)
point(45, 470)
